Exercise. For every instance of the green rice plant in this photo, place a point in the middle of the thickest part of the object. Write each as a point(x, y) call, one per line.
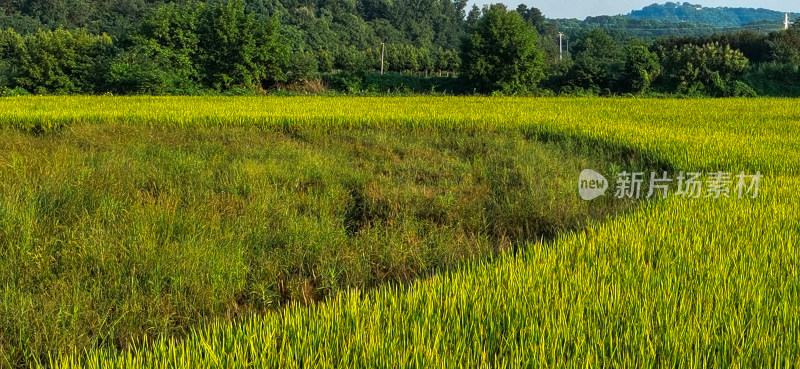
point(756, 133)
point(368, 190)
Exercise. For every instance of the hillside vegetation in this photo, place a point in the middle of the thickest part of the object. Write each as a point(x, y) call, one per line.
point(715, 16)
point(253, 47)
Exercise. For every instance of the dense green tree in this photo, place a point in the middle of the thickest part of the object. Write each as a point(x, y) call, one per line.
point(711, 68)
point(447, 60)
point(324, 61)
point(472, 18)
point(401, 58)
point(148, 68)
point(453, 60)
point(533, 16)
point(304, 66)
point(115, 17)
point(237, 50)
point(268, 8)
point(386, 32)
point(416, 20)
point(20, 23)
point(785, 46)
point(754, 46)
point(353, 31)
point(641, 68)
point(374, 9)
point(775, 79)
point(597, 61)
point(169, 34)
point(59, 61)
point(411, 60)
point(350, 59)
point(9, 43)
point(501, 53)
point(424, 60)
point(449, 26)
point(183, 48)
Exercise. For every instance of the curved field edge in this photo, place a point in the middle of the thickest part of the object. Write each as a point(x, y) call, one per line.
point(679, 282)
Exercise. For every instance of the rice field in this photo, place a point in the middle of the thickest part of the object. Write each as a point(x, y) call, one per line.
point(670, 282)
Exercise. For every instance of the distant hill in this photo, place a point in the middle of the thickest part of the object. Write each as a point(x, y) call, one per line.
point(717, 17)
point(680, 19)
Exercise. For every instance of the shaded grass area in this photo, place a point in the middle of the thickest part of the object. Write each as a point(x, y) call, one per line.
point(683, 283)
point(111, 233)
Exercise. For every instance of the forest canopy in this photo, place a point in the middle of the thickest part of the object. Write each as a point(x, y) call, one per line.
point(379, 46)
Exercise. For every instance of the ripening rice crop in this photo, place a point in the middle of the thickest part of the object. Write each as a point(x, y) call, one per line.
point(757, 133)
point(675, 282)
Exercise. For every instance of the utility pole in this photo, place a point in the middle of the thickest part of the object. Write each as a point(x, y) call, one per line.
point(560, 46)
point(383, 48)
point(786, 21)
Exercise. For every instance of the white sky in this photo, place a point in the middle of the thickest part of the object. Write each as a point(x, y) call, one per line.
point(582, 8)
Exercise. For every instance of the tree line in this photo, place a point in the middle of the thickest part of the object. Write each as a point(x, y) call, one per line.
point(253, 46)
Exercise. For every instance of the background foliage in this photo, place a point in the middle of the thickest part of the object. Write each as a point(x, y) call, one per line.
point(191, 47)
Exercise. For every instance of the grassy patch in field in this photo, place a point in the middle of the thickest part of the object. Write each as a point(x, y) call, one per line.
point(112, 233)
